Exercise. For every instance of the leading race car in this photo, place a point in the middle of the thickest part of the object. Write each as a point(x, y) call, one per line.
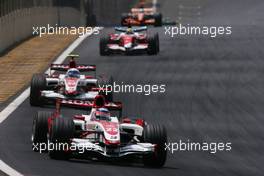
point(72, 85)
point(128, 40)
point(141, 17)
point(100, 135)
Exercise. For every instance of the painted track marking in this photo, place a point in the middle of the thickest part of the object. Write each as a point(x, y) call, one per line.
point(4, 114)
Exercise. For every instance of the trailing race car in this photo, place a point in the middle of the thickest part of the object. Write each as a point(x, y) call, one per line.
point(100, 135)
point(142, 17)
point(129, 41)
point(72, 85)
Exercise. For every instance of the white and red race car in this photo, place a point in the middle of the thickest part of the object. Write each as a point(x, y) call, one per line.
point(129, 40)
point(72, 85)
point(100, 135)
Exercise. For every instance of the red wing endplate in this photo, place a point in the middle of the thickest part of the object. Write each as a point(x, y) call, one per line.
point(65, 67)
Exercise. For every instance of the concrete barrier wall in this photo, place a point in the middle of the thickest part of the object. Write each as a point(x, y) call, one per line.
point(18, 25)
point(70, 17)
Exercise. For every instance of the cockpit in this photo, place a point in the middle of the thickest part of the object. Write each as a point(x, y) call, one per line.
point(102, 114)
point(73, 73)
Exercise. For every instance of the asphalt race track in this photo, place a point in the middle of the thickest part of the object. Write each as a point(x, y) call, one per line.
point(214, 93)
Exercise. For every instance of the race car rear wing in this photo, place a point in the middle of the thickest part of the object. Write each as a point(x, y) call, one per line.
point(98, 102)
point(134, 29)
point(145, 10)
point(65, 67)
point(91, 104)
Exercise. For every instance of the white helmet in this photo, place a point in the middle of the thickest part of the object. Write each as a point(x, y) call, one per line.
point(73, 73)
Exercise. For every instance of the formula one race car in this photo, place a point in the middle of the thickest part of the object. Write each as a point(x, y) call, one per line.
point(45, 89)
point(129, 41)
point(100, 135)
point(141, 17)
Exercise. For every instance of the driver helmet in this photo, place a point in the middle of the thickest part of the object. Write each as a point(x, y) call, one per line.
point(102, 114)
point(129, 30)
point(73, 73)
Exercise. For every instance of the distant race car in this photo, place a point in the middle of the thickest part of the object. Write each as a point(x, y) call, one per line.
point(142, 17)
point(72, 85)
point(129, 40)
point(100, 135)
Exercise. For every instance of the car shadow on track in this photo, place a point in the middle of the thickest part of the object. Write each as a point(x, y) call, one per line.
point(121, 163)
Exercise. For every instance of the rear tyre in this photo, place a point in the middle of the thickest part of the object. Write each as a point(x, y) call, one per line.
point(155, 134)
point(62, 131)
point(103, 46)
point(156, 36)
point(110, 97)
point(40, 129)
point(123, 19)
point(38, 83)
point(158, 20)
point(152, 48)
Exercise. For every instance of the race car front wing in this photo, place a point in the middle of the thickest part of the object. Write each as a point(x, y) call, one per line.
point(84, 145)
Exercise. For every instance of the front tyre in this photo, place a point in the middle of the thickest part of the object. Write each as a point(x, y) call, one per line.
point(155, 134)
point(156, 36)
point(38, 83)
point(109, 97)
point(152, 46)
point(103, 46)
point(62, 131)
point(40, 129)
point(158, 20)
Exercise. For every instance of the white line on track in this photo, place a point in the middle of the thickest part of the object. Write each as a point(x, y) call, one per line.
point(8, 170)
point(23, 96)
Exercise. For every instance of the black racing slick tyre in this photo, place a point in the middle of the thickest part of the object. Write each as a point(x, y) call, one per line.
point(62, 131)
point(152, 48)
point(158, 20)
point(103, 46)
point(40, 129)
point(123, 19)
point(155, 134)
point(156, 36)
point(38, 83)
point(109, 97)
